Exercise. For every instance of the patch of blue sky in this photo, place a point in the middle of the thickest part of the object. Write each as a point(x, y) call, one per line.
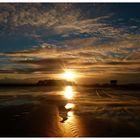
point(16, 43)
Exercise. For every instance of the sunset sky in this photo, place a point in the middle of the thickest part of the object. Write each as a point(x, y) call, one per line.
point(98, 41)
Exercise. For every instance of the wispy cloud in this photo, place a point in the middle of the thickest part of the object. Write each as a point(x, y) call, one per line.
point(116, 58)
point(67, 36)
point(62, 19)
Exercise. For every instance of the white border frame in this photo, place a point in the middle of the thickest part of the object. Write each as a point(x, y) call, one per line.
point(70, 1)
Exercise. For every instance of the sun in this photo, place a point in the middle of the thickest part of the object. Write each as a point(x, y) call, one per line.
point(69, 75)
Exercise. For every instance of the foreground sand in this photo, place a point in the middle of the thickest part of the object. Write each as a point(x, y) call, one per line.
point(97, 113)
point(45, 121)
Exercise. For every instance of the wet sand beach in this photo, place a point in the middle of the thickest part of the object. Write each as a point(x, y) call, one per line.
point(91, 113)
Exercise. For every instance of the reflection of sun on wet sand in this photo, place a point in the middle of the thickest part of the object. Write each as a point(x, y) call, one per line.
point(70, 124)
point(72, 127)
point(68, 92)
point(85, 114)
point(69, 106)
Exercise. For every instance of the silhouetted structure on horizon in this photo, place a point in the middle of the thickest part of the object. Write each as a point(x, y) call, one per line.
point(55, 83)
point(113, 82)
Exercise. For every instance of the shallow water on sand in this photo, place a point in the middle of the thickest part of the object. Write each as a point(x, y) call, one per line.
point(69, 112)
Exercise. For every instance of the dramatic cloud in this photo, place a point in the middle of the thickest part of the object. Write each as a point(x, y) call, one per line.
point(91, 39)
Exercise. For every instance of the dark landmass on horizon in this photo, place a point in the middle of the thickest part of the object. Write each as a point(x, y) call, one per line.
point(60, 83)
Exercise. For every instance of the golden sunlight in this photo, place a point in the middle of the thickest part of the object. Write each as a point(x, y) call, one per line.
point(68, 92)
point(69, 75)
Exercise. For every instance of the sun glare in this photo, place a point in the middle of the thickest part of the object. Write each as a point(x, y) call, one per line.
point(69, 75)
